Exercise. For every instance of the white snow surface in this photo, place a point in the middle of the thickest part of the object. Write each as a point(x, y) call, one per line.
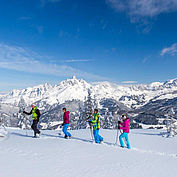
point(67, 90)
point(52, 156)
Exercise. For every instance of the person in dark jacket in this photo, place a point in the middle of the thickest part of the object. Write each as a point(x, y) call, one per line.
point(35, 116)
point(66, 123)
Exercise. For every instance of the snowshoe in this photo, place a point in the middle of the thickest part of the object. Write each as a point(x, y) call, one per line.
point(38, 135)
point(66, 137)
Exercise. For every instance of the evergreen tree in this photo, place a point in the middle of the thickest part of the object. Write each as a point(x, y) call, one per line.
point(81, 117)
point(171, 123)
point(23, 121)
point(88, 105)
point(3, 130)
point(85, 111)
point(108, 122)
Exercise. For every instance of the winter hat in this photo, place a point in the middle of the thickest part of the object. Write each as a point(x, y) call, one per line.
point(125, 115)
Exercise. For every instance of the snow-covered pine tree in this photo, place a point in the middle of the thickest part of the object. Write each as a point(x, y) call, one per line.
point(85, 112)
point(171, 123)
point(3, 130)
point(80, 119)
point(89, 105)
point(23, 121)
point(108, 120)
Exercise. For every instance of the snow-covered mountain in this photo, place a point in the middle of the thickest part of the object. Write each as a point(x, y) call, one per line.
point(132, 96)
point(145, 103)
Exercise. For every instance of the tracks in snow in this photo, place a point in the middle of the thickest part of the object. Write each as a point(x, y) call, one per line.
point(48, 136)
point(116, 146)
point(155, 153)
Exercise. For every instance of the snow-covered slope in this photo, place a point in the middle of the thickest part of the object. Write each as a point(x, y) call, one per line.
point(131, 95)
point(52, 156)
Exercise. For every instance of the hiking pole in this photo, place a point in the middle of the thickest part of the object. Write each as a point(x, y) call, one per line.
point(91, 132)
point(60, 130)
point(24, 119)
point(25, 124)
point(117, 131)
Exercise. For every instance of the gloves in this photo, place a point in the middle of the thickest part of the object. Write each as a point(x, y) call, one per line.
point(90, 122)
point(62, 124)
point(119, 122)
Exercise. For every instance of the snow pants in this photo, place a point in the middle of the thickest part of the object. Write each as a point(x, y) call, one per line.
point(65, 130)
point(34, 127)
point(124, 135)
point(97, 137)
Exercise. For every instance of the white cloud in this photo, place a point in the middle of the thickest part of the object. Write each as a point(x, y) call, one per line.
point(145, 59)
point(129, 82)
point(73, 60)
point(143, 8)
point(172, 50)
point(20, 59)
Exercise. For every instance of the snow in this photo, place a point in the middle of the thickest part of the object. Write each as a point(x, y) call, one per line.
point(77, 89)
point(51, 156)
point(3, 132)
point(145, 126)
point(156, 84)
point(166, 96)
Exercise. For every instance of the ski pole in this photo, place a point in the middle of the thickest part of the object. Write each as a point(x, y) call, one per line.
point(117, 131)
point(91, 132)
point(25, 125)
point(24, 119)
point(60, 131)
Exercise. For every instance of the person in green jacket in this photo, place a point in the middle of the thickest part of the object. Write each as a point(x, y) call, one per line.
point(96, 126)
point(35, 116)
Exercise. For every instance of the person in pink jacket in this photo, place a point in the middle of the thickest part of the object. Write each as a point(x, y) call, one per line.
point(66, 123)
point(125, 127)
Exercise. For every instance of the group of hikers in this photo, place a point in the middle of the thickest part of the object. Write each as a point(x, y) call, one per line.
point(94, 121)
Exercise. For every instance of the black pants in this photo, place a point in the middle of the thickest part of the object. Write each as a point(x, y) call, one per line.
point(34, 127)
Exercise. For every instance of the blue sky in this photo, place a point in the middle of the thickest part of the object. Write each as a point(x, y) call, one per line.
point(123, 41)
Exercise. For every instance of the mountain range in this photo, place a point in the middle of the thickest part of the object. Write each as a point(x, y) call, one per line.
point(146, 104)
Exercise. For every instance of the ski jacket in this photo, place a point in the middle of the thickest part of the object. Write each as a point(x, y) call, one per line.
point(35, 113)
point(66, 117)
point(96, 121)
point(125, 126)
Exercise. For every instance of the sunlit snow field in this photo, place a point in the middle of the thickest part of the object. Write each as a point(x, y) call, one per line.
point(53, 156)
